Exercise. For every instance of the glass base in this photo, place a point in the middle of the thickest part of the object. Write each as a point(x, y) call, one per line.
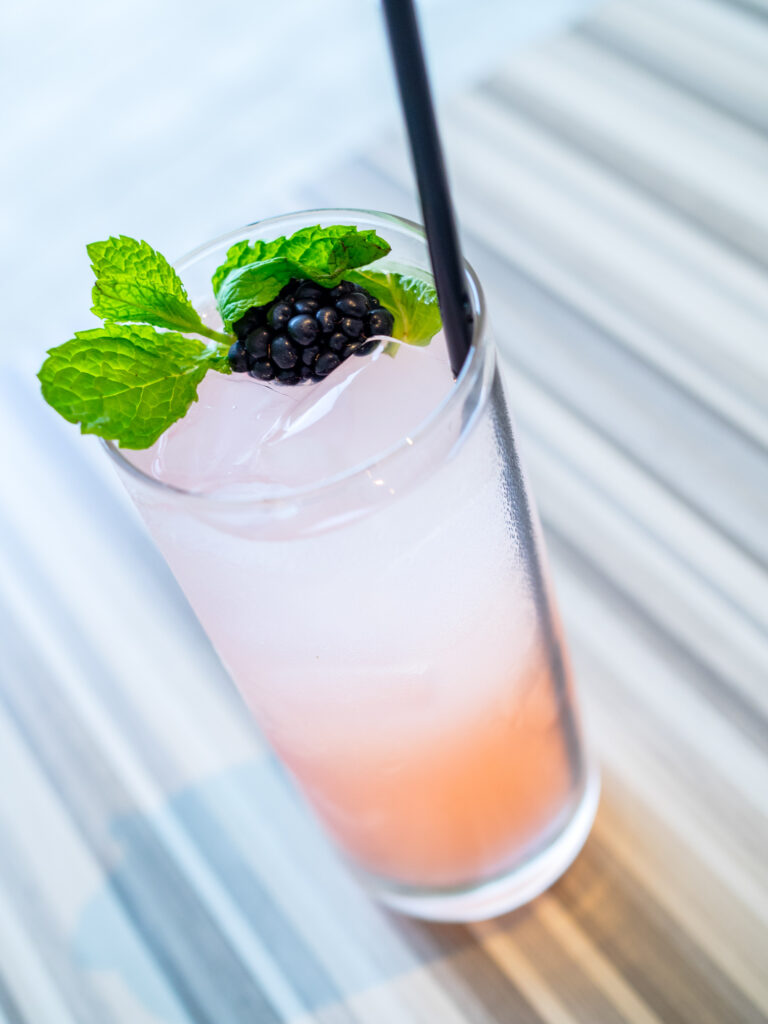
point(509, 891)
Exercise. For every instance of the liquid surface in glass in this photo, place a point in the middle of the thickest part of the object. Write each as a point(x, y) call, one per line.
point(393, 658)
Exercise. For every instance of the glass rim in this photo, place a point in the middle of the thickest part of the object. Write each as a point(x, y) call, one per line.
point(467, 376)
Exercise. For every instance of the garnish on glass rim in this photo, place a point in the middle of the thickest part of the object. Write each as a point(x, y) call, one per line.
point(129, 380)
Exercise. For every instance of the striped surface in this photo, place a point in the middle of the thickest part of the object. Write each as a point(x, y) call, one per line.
point(155, 866)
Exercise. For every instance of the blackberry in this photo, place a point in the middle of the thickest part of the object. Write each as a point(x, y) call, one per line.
point(380, 321)
point(257, 342)
point(238, 357)
point(341, 289)
point(262, 370)
point(253, 318)
point(326, 363)
point(353, 304)
point(279, 314)
point(307, 331)
point(289, 376)
point(352, 326)
point(284, 355)
point(326, 319)
point(307, 289)
point(303, 328)
point(310, 306)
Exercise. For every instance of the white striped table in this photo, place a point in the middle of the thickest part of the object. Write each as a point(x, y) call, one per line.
point(155, 864)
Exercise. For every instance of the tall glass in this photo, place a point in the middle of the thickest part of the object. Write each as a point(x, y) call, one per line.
point(393, 631)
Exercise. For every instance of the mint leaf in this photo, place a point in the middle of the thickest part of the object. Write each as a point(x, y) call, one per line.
point(136, 284)
point(326, 254)
point(254, 273)
point(239, 255)
point(329, 250)
point(412, 302)
point(252, 285)
point(244, 253)
point(127, 383)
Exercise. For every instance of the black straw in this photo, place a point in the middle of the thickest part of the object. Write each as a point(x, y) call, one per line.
point(436, 205)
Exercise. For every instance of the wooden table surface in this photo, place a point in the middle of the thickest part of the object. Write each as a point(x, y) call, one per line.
point(155, 864)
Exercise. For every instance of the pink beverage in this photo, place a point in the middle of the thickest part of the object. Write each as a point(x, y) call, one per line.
point(360, 552)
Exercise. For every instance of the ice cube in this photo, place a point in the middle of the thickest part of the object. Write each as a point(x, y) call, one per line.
point(214, 443)
point(364, 408)
point(243, 432)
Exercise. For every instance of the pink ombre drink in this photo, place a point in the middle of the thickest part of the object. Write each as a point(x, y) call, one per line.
point(364, 558)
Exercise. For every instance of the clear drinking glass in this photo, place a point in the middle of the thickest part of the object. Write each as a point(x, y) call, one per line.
point(393, 631)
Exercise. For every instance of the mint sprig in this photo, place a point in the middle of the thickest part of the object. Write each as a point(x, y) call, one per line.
point(254, 273)
point(328, 249)
point(126, 383)
point(136, 284)
point(129, 381)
